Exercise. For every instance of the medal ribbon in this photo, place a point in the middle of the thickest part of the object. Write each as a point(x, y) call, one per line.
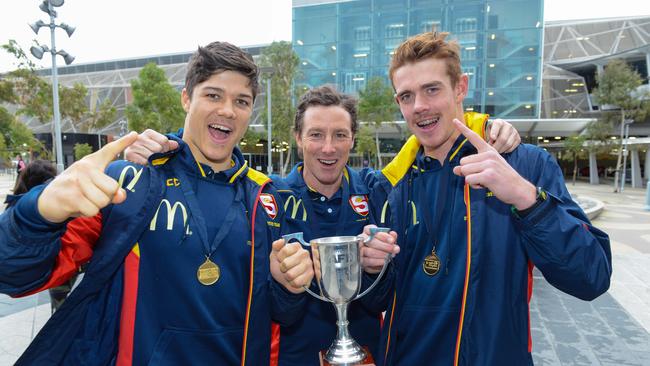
point(197, 216)
point(432, 226)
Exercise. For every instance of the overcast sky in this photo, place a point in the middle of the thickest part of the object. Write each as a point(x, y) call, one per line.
point(117, 29)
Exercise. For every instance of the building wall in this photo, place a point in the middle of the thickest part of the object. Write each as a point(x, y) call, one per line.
point(348, 42)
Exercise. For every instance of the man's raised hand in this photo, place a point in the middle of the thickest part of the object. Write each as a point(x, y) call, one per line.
point(488, 169)
point(503, 136)
point(148, 142)
point(83, 189)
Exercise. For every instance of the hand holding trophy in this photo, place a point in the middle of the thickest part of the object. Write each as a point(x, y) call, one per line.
point(338, 273)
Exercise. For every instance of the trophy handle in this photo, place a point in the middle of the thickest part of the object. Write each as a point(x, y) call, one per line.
point(298, 237)
point(373, 231)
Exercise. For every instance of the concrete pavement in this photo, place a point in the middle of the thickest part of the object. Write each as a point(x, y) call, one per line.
point(611, 330)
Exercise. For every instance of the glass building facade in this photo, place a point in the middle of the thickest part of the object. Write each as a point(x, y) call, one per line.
point(347, 42)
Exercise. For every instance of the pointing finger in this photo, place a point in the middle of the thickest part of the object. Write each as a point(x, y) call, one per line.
point(472, 137)
point(106, 154)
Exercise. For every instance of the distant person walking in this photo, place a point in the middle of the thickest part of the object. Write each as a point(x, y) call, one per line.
point(20, 164)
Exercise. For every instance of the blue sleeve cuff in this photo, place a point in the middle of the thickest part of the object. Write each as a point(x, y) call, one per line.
point(27, 216)
point(542, 210)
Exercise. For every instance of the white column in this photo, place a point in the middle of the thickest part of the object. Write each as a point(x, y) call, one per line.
point(637, 182)
point(593, 168)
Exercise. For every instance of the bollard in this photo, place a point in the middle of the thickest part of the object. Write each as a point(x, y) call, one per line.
point(647, 197)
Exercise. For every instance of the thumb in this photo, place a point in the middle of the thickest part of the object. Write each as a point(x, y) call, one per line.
point(106, 154)
point(277, 245)
point(172, 145)
point(366, 229)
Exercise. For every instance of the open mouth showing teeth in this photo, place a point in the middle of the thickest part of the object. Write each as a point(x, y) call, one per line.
point(327, 162)
point(220, 128)
point(428, 122)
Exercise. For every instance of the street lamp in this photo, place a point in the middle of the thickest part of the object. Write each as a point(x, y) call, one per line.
point(48, 6)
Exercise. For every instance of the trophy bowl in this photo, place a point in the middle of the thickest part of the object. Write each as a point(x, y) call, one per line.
point(338, 273)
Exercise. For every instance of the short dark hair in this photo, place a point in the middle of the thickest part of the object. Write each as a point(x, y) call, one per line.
point(35, 173)
point(217, 57)
point(325, 96)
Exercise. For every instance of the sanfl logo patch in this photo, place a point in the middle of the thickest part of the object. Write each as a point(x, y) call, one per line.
point(270, 206)
point(359, 204)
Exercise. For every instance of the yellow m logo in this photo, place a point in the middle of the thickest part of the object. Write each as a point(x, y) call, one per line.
point(295, 207)
point(136, 176)
point(171, 214)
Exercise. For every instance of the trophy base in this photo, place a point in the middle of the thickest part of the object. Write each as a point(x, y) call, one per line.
point(368, 361)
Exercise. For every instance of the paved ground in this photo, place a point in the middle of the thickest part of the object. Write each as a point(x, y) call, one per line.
point(615, 328)
point(611, 330)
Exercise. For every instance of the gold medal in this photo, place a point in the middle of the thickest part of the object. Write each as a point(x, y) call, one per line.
point(431, 264)
point(208, 272)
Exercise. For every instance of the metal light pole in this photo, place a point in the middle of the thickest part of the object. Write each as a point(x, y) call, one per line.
point(48, 7)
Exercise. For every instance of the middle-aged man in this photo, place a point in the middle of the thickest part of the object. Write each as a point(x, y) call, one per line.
point(472, 224)
point(179, 269)
point(325, 197)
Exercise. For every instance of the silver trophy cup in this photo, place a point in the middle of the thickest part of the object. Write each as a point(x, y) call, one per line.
point(338, 272)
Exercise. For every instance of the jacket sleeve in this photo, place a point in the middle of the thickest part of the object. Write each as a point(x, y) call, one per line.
point(28, 246)
point(573, 255)
point(37, 255)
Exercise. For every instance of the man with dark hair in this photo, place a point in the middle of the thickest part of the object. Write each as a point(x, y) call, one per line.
point(472, 225)
point(323, 197)
point(178, 251)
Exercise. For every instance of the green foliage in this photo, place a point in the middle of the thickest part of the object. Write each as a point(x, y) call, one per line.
point(617, 86)
point(81, 150)
point(104, 114)
point(574, 149)
point(252, 137)
point(376, 102)
point(156, 104)
point(598, 132)
point(365, 142)
point(377, 105)
point(72, 102)
point(16, 137)
point(283, 60)
point(33, 94)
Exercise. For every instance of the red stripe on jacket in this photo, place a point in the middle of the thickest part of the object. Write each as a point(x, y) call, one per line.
point(76, 249)
point(127, 316)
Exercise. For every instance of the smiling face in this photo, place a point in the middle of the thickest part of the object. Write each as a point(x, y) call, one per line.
point(218, 112)
point(325, 141)
point(429, 102)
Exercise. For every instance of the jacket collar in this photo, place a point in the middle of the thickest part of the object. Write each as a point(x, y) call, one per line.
point(183, 154)
point(403, 161)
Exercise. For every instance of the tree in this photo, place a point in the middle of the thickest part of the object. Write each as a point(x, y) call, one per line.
point(283, 61)
point(72, 103)
point(377, 105)
point(617, 86)
point(32, 94)
point(156, 104)
point(16, 137)
point(81, 150)
point(102, 116)
point(364, 142)
point(574, 148)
